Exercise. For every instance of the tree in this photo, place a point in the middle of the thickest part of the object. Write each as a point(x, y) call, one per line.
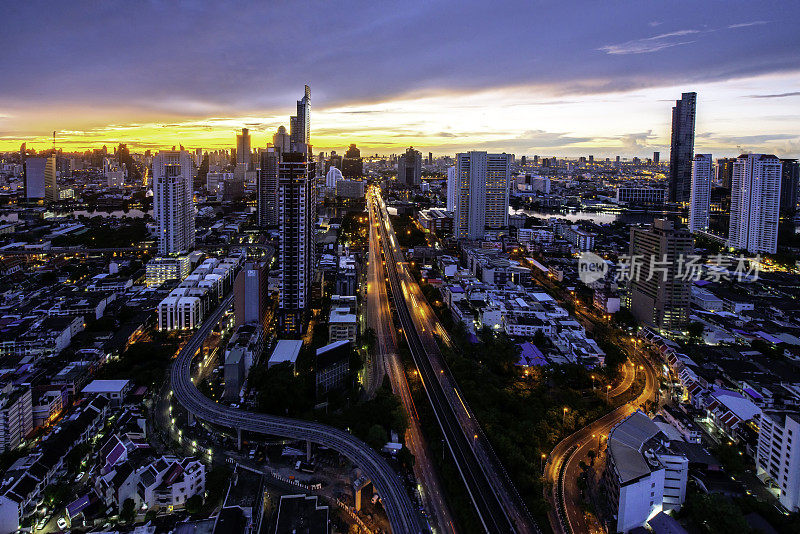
point(625, 318)
point(376, 437)
point(193, 504)
point(128, 512)
point(696, 330)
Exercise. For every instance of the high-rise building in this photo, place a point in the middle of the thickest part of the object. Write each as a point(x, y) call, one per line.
point(725, 172)
point(51, 180)
point(250, 293)
point(267, 186)
point(778, 456)
point(352, 164)
point(790, 176)
point(243, 151)
point(657, 296)
point(409, 168)
point(173, 206)
point(452, 189)
point(682, 148)
point(755, 203)
point(482, 193)
point(296, 217)
point(300, 124)
point(281, 140)
point(701, 193)
point(430, 158)
point(35, 177)
point(656, 158)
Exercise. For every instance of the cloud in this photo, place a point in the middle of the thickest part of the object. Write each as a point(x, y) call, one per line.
point(747, 24)
point(650, 44)
point(776, 95)
point(637, 140)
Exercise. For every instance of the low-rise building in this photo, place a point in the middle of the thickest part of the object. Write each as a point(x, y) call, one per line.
point(645, 472)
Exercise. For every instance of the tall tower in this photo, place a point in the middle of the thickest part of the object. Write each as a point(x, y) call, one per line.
point(790, 176)
point(300, 124)
point(268, 186)
point(281, 140)
point(51, 179)
point(296, 217)
point(755, 203)
point(409, 168)
point(173, 206)
point(452, 189)
point(701, 193)
point(682, 148)
point(243, 151)
point(658, 297)
point(481, 193)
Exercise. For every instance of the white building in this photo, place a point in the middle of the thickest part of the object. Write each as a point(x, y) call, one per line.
point(160, 269)
point(115, 176)
point(342, 323)
point(215, 181)
point(702, 171)
point(755, 202)
point(16, 416)
point(778, 456)
point(580, 239)
point(452, 189)
point(645, 472)
point(332, 178)
point(173, 206)
point(482, 193)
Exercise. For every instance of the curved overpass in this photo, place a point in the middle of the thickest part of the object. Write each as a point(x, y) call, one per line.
point(402, 513)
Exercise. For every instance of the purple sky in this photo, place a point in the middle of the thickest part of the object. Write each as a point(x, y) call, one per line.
point(96, 70)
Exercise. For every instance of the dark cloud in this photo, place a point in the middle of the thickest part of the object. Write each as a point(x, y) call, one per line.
point(192, 59)
point(778, 95)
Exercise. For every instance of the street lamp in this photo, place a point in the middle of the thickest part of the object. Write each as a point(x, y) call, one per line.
point(564, 418)
point(541, 464)
point(608, 388)
point(592, 382)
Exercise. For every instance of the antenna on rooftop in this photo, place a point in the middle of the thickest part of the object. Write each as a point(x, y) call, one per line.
point(54, 141)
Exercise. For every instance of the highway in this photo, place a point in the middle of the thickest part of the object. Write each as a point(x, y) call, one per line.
point(499, 506)
point(565, 494)
point(379, 318)
point(401, 511)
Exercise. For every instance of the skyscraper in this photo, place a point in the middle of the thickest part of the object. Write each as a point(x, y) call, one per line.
point(250, 293)
point(243, 151)
point(267, 186)
point(34, 177)
point(409, 168)
point(755, 203)
point(701, 193)
point(656, 158)
point(173, 206)
point(51, 180)
point(352, 164)
point(281, 140)
point(482, 193)
point(452, 189)
point(657, 296)
point(790, 176)
point(682, 148)
point(725, 172)
point(300, 124)
point(296, 244)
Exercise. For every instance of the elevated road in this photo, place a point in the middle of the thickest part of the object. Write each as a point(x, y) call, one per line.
point(496, 501)
point(402, 513)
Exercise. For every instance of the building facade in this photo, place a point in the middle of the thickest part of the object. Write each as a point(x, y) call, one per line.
point(682, 148)
point(173, 206)
point(790, 178)
point(701, 193)
point(267, 186)
point(482, 193)
point(296, 202)
point(755, 203)
point(409, 168)
point(778, 456)
point(657, 296)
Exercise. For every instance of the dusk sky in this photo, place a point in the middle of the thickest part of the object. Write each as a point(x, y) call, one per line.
point(535, 77)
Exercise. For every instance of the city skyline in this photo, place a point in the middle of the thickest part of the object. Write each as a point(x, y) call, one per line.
point(607, 91)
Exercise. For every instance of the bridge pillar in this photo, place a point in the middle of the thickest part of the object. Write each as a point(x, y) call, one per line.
point(308, 451)
point(190, 419)
point(239, 439)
